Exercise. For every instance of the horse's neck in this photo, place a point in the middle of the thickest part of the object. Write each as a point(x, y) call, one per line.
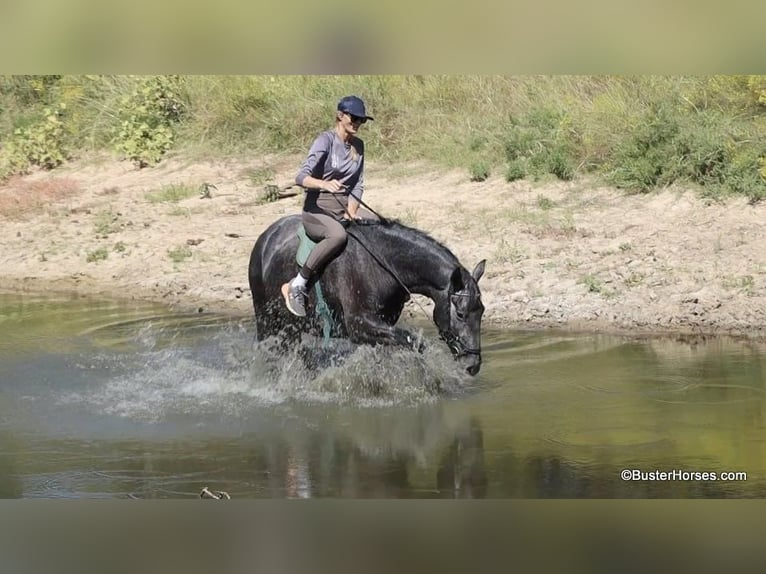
point(428, 272)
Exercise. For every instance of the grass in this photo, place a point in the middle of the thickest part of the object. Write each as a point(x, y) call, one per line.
point(179, 254)
point(20, 198)
point(258, 175)
point(106, 222)
point(506, 252)
point(521, 215)
point(172, 193)
point(594, 285)
point(479, 170)
point(634, 279)
point(635, 132)
point(409, 217)
point(545, 203)
point(743, 283)
point(97, 255)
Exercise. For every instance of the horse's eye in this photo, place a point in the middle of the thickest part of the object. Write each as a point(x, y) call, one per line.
point(460, 315)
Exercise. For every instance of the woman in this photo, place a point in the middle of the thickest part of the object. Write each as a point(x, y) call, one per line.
point(333, 175)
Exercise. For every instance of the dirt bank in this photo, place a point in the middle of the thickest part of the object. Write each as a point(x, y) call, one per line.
point(566, 255)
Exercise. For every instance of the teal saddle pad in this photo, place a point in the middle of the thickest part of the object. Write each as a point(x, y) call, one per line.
point(305, 246)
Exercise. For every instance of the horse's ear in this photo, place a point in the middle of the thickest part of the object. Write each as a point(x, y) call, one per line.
point(456, 281)
point(478, 271)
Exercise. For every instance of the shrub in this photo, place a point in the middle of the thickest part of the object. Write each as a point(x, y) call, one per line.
point(479, 170)
point(516, 170)
point(705, 147)
point(744, 173)
point(641, 160)
point(41, 143)
point(97, 255)
point(542, 139)
point(148, 115)
point(179, 254)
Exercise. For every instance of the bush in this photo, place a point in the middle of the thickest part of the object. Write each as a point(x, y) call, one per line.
point(641, 161)
point(479, 170)
point(744, 174)
point(543, 141)
point(148, 115)
point(516, 170)
point(41, 144)
point(703, 147)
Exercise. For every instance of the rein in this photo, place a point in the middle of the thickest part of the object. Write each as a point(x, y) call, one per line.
point(453, 342)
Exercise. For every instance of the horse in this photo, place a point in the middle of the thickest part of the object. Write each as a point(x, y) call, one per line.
point(367, 285)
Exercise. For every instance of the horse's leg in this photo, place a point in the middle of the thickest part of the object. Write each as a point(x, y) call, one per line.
point(371, 330)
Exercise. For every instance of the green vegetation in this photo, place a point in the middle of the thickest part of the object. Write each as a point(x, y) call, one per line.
point(97, 255)
point(634, 132)
point(179, 254)
point(106, 222)
point(259, 175)
point(172, 193)
point(479, 170)
point(545, 203)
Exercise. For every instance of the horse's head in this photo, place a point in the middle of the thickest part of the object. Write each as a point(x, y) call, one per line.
point(458, 316)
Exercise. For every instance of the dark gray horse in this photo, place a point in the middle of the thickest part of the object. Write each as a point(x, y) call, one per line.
point(367, 285)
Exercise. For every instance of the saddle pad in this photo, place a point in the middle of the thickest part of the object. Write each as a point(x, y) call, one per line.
point(305, 245)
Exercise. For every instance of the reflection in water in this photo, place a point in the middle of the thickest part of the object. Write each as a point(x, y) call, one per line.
point(105, 399)
point(461, 471)
point(321, 464)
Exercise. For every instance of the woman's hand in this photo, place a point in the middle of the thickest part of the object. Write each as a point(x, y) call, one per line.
point(333, 186)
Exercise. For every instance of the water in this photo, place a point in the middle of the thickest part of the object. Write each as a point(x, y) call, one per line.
point(105, 399)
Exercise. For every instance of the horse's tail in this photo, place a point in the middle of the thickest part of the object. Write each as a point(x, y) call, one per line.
point(257, 286)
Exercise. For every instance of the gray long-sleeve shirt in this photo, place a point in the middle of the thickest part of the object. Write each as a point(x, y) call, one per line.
point(331, 158)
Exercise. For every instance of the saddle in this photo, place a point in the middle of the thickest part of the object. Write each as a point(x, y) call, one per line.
point(305, 246)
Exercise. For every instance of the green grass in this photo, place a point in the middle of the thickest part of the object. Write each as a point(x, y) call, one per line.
point(172, 193)
point(545, 203)
point(97, 255)
point(259, 175)
point(479, 170)
point(743, 283)
point(179, 254)
point(635, 132)
point(106, 222)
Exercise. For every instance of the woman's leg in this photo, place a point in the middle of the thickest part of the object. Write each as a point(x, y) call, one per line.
point(331, 239)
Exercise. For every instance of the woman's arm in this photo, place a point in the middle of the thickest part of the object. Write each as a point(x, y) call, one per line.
point(333, 185)
point(316, 157)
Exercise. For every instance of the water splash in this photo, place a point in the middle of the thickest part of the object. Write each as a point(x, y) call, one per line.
point(224, 374)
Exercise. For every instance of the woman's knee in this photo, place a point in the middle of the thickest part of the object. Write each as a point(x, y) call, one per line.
point(337, 239)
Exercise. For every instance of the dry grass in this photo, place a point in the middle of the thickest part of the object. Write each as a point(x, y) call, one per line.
point(19, 198)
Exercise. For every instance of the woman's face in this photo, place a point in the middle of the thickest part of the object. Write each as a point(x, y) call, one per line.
point(351, 123)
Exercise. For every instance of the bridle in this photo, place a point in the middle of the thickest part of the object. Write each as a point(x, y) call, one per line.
point(457, 346)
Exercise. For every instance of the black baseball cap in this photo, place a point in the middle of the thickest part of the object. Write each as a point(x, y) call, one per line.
point(355, 106)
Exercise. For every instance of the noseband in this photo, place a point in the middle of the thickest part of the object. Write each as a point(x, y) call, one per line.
point(456, 345)
point(453, 342)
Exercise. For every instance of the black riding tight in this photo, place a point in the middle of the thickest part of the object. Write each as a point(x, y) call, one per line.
point(331, 239)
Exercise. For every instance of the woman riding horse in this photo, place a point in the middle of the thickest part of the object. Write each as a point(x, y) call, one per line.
point(333, 175)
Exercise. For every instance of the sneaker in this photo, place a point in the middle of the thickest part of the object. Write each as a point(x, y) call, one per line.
point(295, 299)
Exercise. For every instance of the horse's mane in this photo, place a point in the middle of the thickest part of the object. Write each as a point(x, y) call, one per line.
point(397, 227)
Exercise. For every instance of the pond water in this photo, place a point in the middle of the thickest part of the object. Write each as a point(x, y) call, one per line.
point(107, 399)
